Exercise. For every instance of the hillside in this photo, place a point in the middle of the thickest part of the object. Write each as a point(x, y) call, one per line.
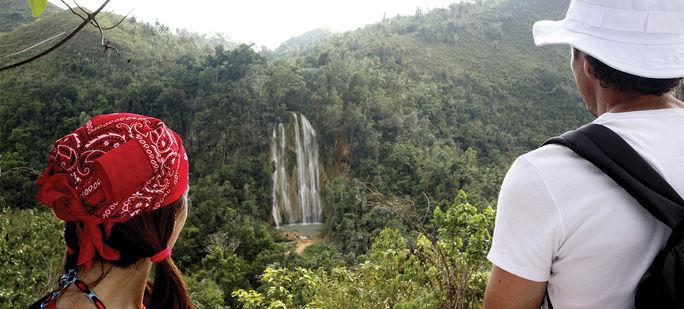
point(292, 46)
point(140, 43)
point(419, 107)
point(15, 13)
point(488, 48)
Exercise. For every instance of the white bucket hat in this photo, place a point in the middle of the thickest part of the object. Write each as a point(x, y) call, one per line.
point(640, 37)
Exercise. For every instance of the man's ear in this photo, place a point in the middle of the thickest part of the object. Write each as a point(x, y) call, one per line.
point(587, 69)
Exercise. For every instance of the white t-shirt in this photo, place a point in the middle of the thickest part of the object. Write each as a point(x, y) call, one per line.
point(560, 219)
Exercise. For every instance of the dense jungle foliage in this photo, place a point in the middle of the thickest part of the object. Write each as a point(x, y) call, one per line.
point(411, 112)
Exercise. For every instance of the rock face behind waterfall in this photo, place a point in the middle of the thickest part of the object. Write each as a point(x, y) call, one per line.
point(296, 181)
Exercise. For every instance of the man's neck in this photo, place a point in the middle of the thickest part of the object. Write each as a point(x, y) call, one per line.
point(622, 101)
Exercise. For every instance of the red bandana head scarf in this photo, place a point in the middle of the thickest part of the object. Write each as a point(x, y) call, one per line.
point(114, 167)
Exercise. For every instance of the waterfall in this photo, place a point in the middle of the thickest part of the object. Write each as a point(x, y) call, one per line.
point(302, 202)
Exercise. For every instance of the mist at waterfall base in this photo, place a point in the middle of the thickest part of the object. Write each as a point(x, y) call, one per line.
point(296, 177)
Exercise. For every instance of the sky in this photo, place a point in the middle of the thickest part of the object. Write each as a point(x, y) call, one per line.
point(263, 22)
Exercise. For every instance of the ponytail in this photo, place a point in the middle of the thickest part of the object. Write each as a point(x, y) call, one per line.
point(141, 237)
point(169, 289)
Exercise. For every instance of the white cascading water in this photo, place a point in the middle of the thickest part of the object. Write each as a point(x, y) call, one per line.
point(301, 203)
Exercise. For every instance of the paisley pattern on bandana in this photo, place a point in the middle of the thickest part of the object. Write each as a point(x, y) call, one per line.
point(113, 168)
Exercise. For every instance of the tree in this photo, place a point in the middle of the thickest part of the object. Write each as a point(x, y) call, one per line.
point(454, 258)
point(31, 254)
point(445, 266)
point(38, 6)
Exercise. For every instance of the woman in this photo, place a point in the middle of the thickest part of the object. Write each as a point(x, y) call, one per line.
point(120, 183)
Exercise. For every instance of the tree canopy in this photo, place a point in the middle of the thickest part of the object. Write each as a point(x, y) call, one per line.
point(422, 108)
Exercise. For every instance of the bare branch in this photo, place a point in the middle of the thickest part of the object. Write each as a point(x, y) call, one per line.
point(38, 44)
point(102, 39)
point(72, 10)
point(21, 169)
point(97, 25)
point(60, 43)
point(80, 7)
point(427, 209)
point(120, 21)
point(94, 22)
point(452, 278)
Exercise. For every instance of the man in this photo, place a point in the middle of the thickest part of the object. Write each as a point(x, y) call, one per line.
point(563, 228)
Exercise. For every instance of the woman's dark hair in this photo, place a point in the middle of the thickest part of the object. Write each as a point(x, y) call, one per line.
point(625, 81)
point(143, 236)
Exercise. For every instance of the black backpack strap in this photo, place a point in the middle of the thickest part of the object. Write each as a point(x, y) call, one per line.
point(610, 153)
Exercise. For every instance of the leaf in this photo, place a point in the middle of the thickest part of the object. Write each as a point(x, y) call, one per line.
point(37, 6)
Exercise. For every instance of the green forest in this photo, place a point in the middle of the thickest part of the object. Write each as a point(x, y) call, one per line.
point(417, 119)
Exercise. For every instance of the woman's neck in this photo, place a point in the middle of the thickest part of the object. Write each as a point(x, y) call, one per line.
point(117, 288)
